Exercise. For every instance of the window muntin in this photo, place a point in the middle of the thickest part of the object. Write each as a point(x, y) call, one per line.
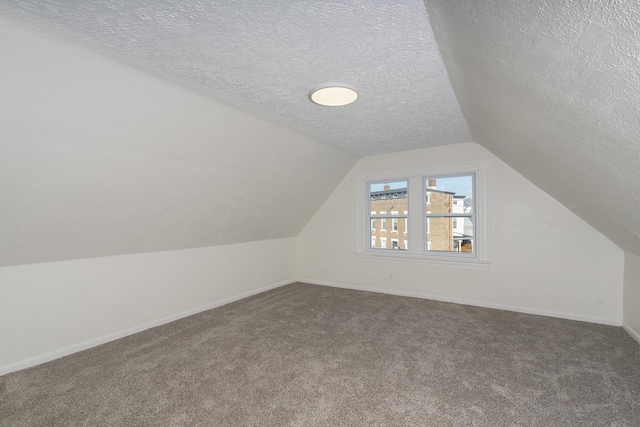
point(388, 203)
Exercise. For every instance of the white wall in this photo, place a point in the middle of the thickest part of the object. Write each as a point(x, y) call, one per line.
point(543, 258)
point(52, 309)
point(632, 295)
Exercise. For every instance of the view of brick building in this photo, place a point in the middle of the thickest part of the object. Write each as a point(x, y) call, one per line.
point(389, 228)
point(389, 233)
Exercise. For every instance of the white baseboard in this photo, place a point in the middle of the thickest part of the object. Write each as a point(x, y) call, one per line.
point(518, 309)
point(56, 354)
point(635, 335)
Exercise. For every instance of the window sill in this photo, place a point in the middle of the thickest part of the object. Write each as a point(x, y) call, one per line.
point(463, 262)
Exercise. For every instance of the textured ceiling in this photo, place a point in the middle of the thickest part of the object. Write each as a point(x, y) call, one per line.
point(265, 56)
point(104, 159)
point(553, 88)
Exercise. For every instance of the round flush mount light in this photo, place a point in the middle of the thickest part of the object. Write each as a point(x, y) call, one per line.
point(333, 94)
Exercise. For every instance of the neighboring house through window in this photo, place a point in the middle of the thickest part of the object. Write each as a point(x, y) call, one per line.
point(444, 204)
point(388, 204)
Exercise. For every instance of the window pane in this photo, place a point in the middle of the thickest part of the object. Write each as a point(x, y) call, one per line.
point(386, 239)
point(450, 194)
point(442, 236)
point(388, 198)
point(388, 187)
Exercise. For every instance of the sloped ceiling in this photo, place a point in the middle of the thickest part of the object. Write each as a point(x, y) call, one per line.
point(139, 126)
point(97, 159)
point(553, 88)
point(265, 56)
point(100, 157)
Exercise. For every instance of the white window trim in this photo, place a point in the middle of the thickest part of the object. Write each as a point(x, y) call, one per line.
point(456, 255)
point(416, 217)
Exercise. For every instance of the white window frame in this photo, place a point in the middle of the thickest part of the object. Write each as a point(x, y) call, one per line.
point(451, 216)
point(416, 221)
point(385, 232)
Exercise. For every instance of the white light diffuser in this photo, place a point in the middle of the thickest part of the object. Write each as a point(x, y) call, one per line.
point(333, 94)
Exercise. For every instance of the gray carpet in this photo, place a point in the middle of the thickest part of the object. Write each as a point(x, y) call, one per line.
point(304, 355)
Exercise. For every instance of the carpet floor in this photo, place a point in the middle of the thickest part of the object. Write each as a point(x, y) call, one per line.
point(305, 355)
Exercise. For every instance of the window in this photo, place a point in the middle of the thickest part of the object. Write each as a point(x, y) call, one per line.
point(386, 201)
point(439, 210)
point(451, 204)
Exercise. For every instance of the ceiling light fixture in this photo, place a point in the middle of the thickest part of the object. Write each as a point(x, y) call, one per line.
point(333, 94)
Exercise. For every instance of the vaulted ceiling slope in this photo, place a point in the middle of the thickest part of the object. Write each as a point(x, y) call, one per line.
point(553, 88)
point(99, 159)
point(265, 56)
point(147, 125)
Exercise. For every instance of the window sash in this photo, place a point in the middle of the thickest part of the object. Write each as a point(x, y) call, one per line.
point(427, 247)
point(392, 215)
point(451, 241)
